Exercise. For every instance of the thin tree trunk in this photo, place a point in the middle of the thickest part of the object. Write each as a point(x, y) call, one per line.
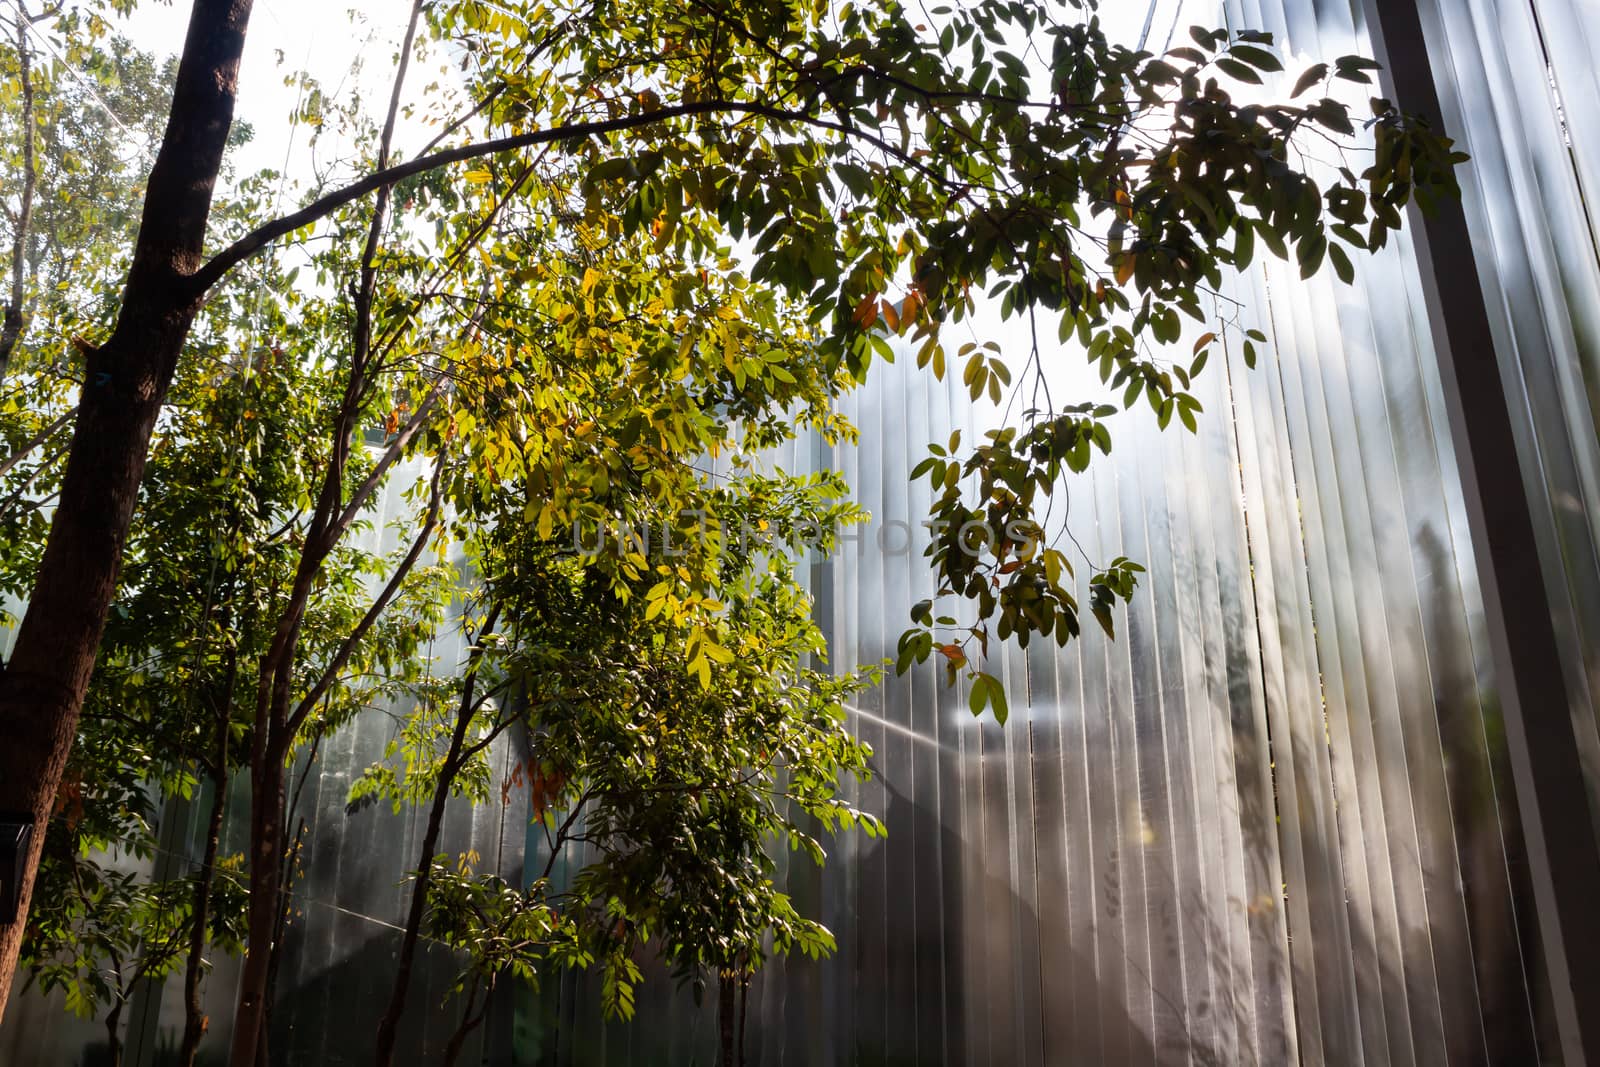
point(276, 726)
point(276, 723)
point(469, 1023)
point(291, 856)
point(40, 438)
point(744, 1013)
point(12, 323)
point(389, 1025)
point(194, 1019)
point(725, 1016)
point(272, 738)
point(114, 1033)
point(194, 1022)
point(266, 848)
point(43, 686)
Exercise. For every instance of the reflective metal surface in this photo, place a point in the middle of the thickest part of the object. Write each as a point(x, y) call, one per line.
point(1272, 822)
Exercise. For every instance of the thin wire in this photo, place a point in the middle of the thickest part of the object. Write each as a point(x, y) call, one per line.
point(88, 86)
point(238, 879)
point(1149, 17)
point(887, 724)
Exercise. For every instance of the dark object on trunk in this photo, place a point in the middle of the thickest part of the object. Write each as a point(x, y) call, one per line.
point(16, 829)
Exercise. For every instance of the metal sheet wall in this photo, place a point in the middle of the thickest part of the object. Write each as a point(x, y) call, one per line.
point(1272, 821)
point(1530, 198)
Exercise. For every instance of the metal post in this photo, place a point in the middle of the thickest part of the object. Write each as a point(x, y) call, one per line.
point(1552, 791)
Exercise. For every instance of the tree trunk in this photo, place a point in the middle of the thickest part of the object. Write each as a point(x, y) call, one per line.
point(126, 380)
point(389, 1026)
point(725, 1014)
point(194, 1022)
point(272, 739)
point(291, 856)
point(114, 1033)
point(744, 1013)
point(266, 849)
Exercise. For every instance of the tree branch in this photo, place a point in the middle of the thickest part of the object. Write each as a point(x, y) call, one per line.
point(391, 456)
point(251, 243)
point(37, 439)
point(380, 211)
point(302, 710)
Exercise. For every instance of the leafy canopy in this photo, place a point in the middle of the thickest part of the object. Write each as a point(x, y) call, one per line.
point(881, 166)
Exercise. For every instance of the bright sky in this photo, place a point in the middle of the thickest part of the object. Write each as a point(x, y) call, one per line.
point(321, 38)
point(324, 38)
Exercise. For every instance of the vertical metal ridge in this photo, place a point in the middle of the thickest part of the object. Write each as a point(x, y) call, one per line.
point(1302, 830)
point(1248, 683)
point(1325, 553)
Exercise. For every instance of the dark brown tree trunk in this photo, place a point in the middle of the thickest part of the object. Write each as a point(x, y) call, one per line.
point(744, 1013)
point(114, 1034)
point(42, 687)
point(291, 857)
point(277, 725)
point(126, 380)
point(389, 1025)
point(272, 739)
point(194, 1019)
point(726, 990)
point(266, 851)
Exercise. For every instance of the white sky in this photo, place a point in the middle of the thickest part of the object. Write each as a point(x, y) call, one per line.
point(323, 38)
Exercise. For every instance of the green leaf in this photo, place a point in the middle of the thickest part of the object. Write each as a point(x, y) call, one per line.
point(1259, 58)
point(1238, 71)
point(997, 700)
point(1341, 264)
point(1313, 75)
point(1244, 243)
point(978, 694)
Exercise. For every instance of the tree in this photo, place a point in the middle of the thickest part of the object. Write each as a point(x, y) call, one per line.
point(678, 783)
point(660, 366)
point(168, 710)
point(861, 153)
point(105, 931)
point(83, 111)
point(80, 113)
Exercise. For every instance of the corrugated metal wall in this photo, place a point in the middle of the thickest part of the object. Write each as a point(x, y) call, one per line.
point(1272, 822)
point(1530, 195)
